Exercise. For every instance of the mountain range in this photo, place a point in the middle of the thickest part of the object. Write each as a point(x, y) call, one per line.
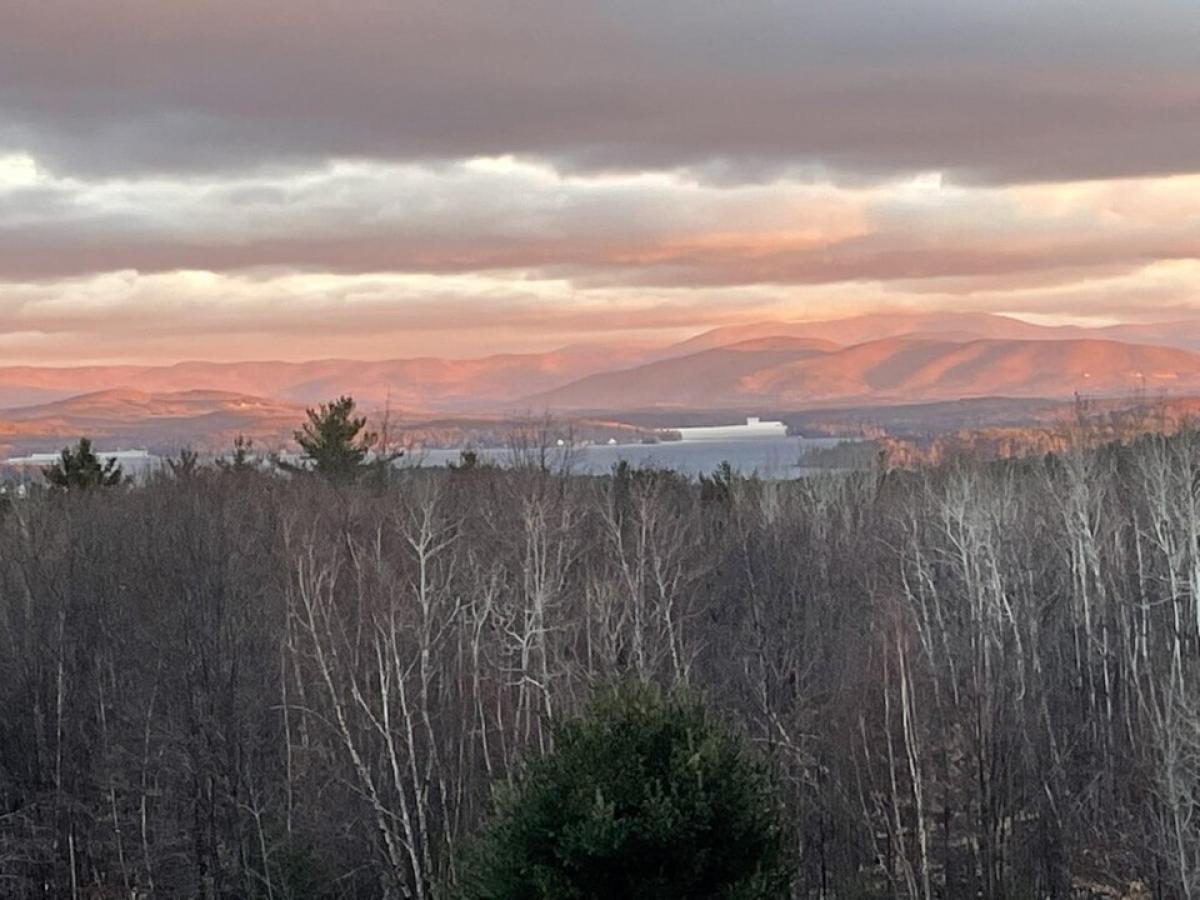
point(422, 383)
point(128, 418)
point(769, 367)
point(954, 326)
point(794, 373)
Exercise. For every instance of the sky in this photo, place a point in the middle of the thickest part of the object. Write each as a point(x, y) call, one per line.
point(382, 178)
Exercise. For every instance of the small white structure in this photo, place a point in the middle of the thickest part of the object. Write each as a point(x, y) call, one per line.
point(754, 428)
point(135, 463)
point(121, 456)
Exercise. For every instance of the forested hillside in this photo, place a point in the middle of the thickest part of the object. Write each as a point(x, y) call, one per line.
point(977, 680)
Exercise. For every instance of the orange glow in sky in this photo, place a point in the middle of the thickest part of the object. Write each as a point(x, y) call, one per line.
point(392, 184)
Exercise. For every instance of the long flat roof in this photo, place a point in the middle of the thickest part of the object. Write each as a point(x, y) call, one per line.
point(50, 458)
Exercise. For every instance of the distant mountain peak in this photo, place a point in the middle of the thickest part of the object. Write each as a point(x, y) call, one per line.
point(775, 373)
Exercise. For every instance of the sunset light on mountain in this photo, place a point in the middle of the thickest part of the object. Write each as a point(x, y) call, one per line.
point(379, 180)
point(600, 449)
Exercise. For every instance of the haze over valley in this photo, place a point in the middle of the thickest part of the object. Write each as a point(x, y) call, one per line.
point(858, 363)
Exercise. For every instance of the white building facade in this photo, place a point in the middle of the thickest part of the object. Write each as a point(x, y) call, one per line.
point(754, 428)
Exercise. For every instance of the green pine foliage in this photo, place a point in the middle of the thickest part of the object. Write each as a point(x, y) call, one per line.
point(79, 469)
point(645, 797)
point(335, 442)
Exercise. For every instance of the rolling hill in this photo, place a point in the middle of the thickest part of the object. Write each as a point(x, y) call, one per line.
point(777, 374)
point(861, 329)
point(432, 385)
point(413, 384)
point(942, 325)
point(865, 362)
point(207, 420)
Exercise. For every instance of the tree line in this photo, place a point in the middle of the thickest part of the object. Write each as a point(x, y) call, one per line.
point(980, 679)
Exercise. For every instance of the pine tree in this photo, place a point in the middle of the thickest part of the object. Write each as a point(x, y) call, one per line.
point(242, 459)
point(79, 469)
point(186, 465)
point(335, 443)
point(644, 797)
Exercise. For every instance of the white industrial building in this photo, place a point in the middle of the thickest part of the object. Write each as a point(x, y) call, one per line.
point(135, 463)
point(754, 428)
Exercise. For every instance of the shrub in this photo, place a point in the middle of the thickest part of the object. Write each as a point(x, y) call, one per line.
point(644, 796)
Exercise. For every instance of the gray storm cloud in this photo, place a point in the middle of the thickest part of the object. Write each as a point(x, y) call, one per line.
point(990, 91)
point(188, 179)
point(659, 230)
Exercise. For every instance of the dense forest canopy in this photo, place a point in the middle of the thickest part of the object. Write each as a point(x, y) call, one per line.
point(974, 680)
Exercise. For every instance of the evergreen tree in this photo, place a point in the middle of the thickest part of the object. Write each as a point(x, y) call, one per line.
point(335, 443)
point(242, 459)
point(186, 465)
point(79, 469)
point(644, 797)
